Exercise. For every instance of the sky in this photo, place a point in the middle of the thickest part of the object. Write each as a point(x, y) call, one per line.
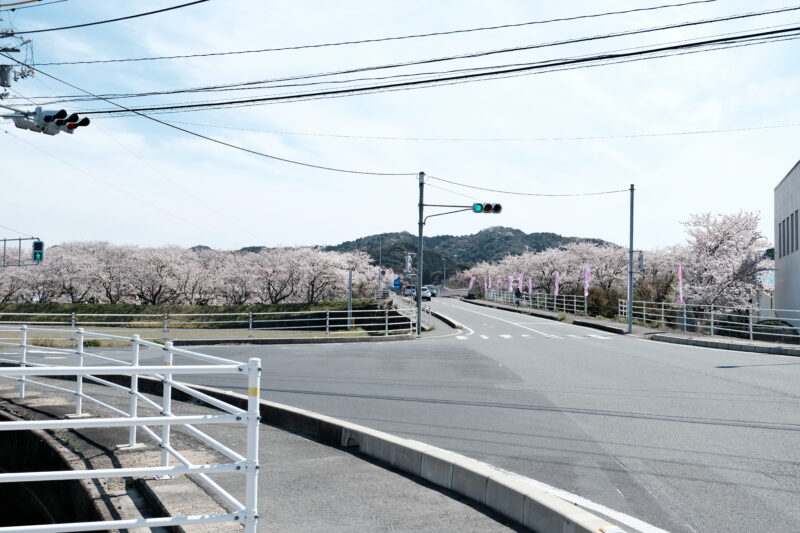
point(130, 180)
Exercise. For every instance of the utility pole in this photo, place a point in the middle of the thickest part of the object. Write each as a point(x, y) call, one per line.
point(420, 252)
point(444, 271)
point(630, 270)
point(349, 298)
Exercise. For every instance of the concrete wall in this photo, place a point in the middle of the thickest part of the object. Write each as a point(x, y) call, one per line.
point(787, 241)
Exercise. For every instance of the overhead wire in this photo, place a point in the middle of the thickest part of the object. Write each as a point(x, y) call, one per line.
point(17, 231)
point(518, 193)
point(470, 55)
point(382, 39)
point(584, 61)
point(211, 139)
point(97, 23)
point(37, 5)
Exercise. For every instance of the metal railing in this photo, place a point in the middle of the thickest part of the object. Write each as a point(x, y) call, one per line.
point(407, 307)
point(568, 303)
point(776, 325)
point(173, 326)
point(245, 463)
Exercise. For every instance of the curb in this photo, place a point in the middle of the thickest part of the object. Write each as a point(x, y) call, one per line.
point(501, 491)
point(526, 311)
point(447, 320)
point(727, 345)
point(318, 340)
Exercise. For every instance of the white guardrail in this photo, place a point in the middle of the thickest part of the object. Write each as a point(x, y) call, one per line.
point(776, 325)
point(569, 303)
point(172, 326)
point(407, 307)
point(245, 463)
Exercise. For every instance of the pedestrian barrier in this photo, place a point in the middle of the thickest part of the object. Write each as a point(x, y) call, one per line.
point(569, 303)
point(173, 326)
point(26, 368)
point(776, 325)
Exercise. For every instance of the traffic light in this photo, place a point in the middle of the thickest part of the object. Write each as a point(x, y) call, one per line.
point(37, 253)
point(50, 122)
point(486, 208)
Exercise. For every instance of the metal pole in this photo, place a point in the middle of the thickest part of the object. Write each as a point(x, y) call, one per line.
point(79, 379)
point(386, 322)
point(349, 297)
point(750, 323)
point(22, 359)
point(420, 252)
point(250, 324)
point(444, 272)
point(630, 270)
point(134, 405)
point(166, 402)
point(253, 422)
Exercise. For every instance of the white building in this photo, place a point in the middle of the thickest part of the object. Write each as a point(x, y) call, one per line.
point(787, 241)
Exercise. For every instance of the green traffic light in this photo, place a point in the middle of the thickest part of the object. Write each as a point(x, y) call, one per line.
point(477, 208)
point(37, 256)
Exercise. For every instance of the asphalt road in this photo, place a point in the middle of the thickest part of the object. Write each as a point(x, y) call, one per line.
point(687, 439)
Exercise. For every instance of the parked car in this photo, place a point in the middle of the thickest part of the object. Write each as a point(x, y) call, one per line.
point(434, 290)
point(410, 290)
point(426, 293)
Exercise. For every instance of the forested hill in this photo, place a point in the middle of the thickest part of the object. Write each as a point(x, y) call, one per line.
point(456, 252)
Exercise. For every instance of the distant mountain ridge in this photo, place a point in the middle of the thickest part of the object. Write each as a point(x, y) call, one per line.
point(449, 253)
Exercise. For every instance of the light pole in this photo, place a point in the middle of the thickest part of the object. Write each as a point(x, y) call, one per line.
point(420, 251)
point(630, 271)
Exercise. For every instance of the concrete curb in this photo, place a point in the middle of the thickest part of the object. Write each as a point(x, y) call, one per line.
point(735, 345)
point(447, 320)
point(532, 312)
point(502, 492)
point(319, 340)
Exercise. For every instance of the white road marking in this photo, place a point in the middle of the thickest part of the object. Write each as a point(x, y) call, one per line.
point(44, 351)
point(484, 337)
point(598, 337)
point(462, 337)
point(506, 321)
point(506, 336)
point(550, 336)
point(525, 335)
point(56, 357)
point(575, 336)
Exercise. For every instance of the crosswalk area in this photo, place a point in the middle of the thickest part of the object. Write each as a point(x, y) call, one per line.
point(539, 335)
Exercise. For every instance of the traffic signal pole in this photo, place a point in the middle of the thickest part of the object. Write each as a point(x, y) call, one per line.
point(630, 271)
point(420, 251)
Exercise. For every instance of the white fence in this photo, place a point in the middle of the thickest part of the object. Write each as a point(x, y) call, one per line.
point(245, 463)
point(569, 303)
point(172, 326)
point(407, 307)
point(777, 325)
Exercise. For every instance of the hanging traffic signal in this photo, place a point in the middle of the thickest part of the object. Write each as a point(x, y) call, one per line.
point(486, 208)
point(49, 122)
point(37, 252)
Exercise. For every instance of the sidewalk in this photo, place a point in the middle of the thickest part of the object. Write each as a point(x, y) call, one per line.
point(304, 486)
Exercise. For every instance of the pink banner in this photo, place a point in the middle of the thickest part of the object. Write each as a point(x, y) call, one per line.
point(488, 282)
point(499, 280)
point(558, 283)
point(471, 282)
point(520, 280)
point(587, 280)
point(510, 283)
point(680, 284)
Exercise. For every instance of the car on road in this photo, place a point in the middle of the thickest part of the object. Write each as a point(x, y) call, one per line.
point(434, 290)
point(410, 290)
point(426, 293)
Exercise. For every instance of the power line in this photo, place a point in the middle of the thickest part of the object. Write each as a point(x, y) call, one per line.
point(20, 3)
point(37, 5)
point(12, 229)
point(471, 55)
point(497, 139)
point(380, 39)
point(606, 58)
point(516, 193)
point(84, 25)
point(217, 141)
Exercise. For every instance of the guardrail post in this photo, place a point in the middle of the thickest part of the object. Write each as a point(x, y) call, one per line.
point(79, 379)
point(72, 322)
point(327, 322)
point(134, 404)
point(166, 406)
point(750, 323)
point(166, 326)
point(644, 313)
point(252, 466)
point(712, 319)
point(574, 304)
point(683, 317)
point(250, 324)
point(585, 306)
point(663, 318)
point(538, 306)
point(386, 323)
point(23, 356)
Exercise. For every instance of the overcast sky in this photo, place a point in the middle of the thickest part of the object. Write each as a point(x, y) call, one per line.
point(129, 180)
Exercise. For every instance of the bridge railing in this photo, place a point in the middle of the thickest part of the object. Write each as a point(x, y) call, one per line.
point(172, 326)
point(776, 325)
point(28, 369)
point(568, 303)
